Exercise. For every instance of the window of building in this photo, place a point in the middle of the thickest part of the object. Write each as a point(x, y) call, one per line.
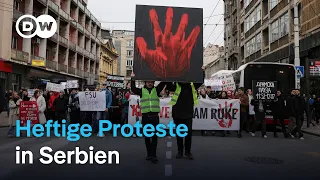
point(279, 28)
point(129, 53)
point(258, 41)
point(128, 73)
point(284, 25)
point(16, 5)
point(130, 43)
point(273, 3)
point(274, 31)
point(129, 62)
point(253, 18)
point(246, 3)
point(14, 42)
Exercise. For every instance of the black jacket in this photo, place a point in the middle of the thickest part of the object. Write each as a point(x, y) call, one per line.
point(2, 100)
point(296, 106)
point(184, 108)
point(60, 104)
point(278, 106)
point(255, 103)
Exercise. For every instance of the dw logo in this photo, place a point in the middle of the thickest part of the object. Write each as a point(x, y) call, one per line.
point(46, 26)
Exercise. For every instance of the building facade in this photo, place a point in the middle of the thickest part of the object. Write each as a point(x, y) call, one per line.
point(108, 57)
point(71, 54)
point(124, 44)
point(214, 57)
point(263, 30)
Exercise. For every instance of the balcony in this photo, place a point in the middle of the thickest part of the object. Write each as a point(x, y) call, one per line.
point(92, 56)
point(64, 15)
point(79, 49)
point(73, 22)
point(54, 37)
point(19, 56)
point(87, 12)
point(79, 73)
point(80, 27)
point(17, 14)
point(53, 6)
point(63, 41)
point(92, 36)
point(71, 70)
point(86, 53)
point(86, 74)
point(43, 2)
point(81, 7)
point(51, 65)
point(87, 33)
point(75, 1)
point(62, 68)
point(72, 46)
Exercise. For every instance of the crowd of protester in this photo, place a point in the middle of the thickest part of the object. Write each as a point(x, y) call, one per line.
point(65, 105)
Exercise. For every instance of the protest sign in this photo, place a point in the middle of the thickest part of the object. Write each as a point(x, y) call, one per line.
point(264, 90)
point(28, 111)
point(31, 92)
point(72, 84)
point(115, 81)
point(54, 87)
point(225, 80)
point(220, 114)
point(92, 101)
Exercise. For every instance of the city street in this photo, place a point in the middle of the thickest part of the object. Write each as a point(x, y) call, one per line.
point(215, 157)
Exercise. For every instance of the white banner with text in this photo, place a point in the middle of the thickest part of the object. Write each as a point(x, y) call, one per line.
point(222, 114)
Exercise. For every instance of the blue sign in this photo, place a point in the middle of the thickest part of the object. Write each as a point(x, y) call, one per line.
point(300, 71)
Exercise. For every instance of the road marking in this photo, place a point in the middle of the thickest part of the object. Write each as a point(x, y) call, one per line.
point(169, 154)
point(169, 144)
point(168, 170)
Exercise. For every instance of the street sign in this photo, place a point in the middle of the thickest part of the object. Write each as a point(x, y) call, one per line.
point(300, 71)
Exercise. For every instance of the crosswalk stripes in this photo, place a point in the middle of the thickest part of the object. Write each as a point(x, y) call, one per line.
point(8, 151)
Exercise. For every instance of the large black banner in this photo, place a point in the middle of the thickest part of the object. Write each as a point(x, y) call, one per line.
point(264, 90)
point(115, 81)
point(168, 44)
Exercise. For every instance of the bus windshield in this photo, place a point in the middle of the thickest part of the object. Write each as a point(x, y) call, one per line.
point(282, 73)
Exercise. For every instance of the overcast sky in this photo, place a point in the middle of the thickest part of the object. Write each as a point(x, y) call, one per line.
point(123, 12)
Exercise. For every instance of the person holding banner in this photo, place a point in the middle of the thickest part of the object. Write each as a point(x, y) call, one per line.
point(74, 107)
point(183, 101)
point(41, 102)
point(14, 105)
point(244, 107)
point(150, 107)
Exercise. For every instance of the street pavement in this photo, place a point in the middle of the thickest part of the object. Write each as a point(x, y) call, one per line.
point(215, 157)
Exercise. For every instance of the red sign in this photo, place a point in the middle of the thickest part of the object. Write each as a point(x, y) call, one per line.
point(29, 111)
point(5, 67)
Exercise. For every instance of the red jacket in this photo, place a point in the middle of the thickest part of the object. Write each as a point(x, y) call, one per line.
point(51, 100)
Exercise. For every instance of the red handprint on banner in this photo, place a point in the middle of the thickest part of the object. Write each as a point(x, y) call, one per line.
point(171, 57)
point(226, 121)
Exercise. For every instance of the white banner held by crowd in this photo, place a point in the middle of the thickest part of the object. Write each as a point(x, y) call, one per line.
point(92, 101)
point(222, 114)
point(31, 92)
point(72, 84)
point(54, 87)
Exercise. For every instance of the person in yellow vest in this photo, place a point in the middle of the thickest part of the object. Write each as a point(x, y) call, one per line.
point(150, 107)
point(183, 101)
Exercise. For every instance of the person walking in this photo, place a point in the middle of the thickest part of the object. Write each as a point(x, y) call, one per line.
point(8, 97)
point(260, 114)
point(244, 106)
point(150, 108)
point(74, 107)
point(183, 101)
point(41, 102)
point(60, 104)
point(278, 109)
point(2, 100)
point(296, 104)
point(103, 115)
point(14, 106)
point(251, 118)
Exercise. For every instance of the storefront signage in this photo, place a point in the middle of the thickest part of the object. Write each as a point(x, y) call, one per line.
point(38, 63)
